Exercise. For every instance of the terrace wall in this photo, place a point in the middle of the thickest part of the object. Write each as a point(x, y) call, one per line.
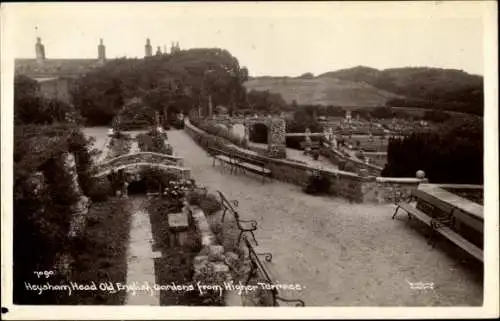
point(358, 188)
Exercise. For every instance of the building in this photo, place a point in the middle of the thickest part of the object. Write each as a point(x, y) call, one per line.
point(57, 76)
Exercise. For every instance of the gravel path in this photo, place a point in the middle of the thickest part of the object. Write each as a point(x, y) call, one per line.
point(341, 254)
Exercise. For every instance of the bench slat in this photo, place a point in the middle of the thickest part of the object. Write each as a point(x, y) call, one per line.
point(254, 167)
point(223, 158)
point(447, 232)
point(417, 213)
point(461, 242)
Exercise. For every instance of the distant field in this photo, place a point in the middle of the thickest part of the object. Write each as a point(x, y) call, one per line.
point(323, 91)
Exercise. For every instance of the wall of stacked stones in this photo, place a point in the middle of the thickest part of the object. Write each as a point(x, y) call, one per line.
point(143, 157)
point(337, 158)
point(351, 186)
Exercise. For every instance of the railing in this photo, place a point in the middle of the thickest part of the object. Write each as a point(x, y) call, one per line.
point(141, 157)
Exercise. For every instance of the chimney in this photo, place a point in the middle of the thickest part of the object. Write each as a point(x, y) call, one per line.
point(149, 49)
point(101, 52)
point(158, 51)
point(39, 50)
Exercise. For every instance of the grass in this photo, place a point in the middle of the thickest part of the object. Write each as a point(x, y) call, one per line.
point(100, 255)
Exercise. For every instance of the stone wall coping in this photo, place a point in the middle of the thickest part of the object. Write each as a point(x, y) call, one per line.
point(437, 192)
point(305, 167)
point(357, 161)
point(181, 169)
point(140, 153)
point(400, 180)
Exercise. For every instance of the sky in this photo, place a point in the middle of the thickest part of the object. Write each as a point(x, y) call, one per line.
point(276, 39)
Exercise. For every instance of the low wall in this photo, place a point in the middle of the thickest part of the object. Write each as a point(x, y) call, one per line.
point(351, 186)
point(347, 162)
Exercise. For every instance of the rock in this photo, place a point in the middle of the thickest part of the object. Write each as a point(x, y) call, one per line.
point(220, 268)
point(200, 259)
point(215, 250)
point(232, 256)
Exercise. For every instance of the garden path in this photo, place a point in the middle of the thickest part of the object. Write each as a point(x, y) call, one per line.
point(342, 254)
point(101, 139)
point(140, 256)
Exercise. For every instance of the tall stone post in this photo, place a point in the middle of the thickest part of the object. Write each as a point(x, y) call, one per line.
point(80, 208)
point(276, 137)
point(209, 105)
point(246, 136)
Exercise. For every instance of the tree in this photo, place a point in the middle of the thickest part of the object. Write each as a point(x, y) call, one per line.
point(32, 108)
point(453, 153)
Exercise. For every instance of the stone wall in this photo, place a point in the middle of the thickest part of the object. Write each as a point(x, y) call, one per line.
point(351, 186)
point(142, 157)
point(341, 160)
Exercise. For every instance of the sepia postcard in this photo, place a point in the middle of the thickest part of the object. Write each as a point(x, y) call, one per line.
point(246, 160)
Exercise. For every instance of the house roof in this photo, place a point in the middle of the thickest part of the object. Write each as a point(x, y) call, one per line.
point(54, 67)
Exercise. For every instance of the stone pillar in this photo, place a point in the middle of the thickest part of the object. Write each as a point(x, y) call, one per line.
point(276, 139)
point(80, 208)
point(209, 105)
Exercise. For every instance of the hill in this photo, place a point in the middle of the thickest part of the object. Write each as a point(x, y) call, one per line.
point(420, 87)
point(322, 91)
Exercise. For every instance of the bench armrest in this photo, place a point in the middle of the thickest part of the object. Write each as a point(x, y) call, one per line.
point(252, 222)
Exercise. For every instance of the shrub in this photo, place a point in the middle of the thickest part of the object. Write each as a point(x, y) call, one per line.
point(207, 202)
point(318, 183)
point(100, 191)
point(220, 132)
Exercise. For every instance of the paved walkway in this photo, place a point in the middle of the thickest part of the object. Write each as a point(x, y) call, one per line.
point(140, 257)
point(342, 254)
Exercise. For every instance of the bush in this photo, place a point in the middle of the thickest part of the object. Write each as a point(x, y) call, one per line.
point(100, 191)
point(318, 184)
point(207, 202)
point(220, 132)
point(452, 154)
point(154, 141)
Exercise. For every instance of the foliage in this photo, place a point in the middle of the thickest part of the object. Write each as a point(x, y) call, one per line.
point(100, 191)
point(154, 141)
point(118, 146)
point(265, 101)
point(434, 88)
point(451, 154)
point(42, 214)
point(166, 83)
point(207, 202)
point(30, 107)
point(221, 132)
point(436, 116)
point(100, 254)
point(135, 115)
point(318, 183)
point(302, 119)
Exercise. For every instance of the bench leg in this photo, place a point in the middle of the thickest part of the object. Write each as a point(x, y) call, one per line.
point(239, 238)
point(223, 214)
point(253, 236)
point(431, 240)
point(395, 212)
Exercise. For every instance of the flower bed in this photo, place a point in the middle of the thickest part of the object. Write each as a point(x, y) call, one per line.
point(154, 141)
point(120, 144)
point(100, 254)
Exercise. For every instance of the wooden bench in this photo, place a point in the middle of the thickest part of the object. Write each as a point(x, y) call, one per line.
point(442, 225)
point(221, 155)
point(251, 164)
point(245, 226)
point(239, 161)
point(257, 267)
